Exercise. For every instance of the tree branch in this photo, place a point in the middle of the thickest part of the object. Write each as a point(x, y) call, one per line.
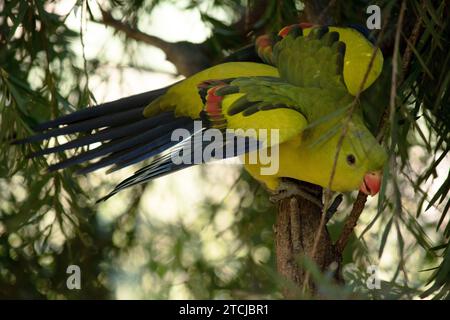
point(188, 57)
point(297, 222)
point(411, 42)
point(316, 11)
point(350, 223)
point(358, 205)
point(299, 219)
point(108, 20)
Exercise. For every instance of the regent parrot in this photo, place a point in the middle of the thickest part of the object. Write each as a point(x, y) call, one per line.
point(309, 80)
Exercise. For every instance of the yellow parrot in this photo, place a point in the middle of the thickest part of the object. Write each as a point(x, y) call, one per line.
point(303, 95)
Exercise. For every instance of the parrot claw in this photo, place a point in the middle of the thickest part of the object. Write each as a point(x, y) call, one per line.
point(288, 189)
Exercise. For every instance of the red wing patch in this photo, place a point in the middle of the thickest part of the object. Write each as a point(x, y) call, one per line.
point(264, 44)
point(212, 99)
point(294, 28)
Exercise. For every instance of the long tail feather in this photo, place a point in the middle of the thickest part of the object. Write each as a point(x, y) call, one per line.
point(121, 144)
point(124, 104)
point(111, 120)
point(126, 138)
point(107, 134)
point(163, 164)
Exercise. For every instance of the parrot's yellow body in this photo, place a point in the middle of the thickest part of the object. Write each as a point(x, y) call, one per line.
point(183, 97)
point(304, 95)
point(297, 160)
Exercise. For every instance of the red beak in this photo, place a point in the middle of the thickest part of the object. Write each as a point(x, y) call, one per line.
point(371, 183)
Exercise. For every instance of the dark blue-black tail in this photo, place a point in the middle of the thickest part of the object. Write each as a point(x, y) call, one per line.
point(126, 137)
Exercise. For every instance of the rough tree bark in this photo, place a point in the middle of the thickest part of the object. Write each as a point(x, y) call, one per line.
point(298, 221)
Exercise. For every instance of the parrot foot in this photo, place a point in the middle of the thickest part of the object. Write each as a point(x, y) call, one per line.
point(288, 189)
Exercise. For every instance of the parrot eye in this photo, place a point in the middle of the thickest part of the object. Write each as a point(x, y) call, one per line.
point(351, 160)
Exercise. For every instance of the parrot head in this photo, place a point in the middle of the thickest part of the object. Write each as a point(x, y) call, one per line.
point(359, 164)
point(361, 159)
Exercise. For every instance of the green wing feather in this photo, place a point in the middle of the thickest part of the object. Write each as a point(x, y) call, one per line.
point(310, 85)
point(257, 94)
point(315, 60)
point(251, 104)
point(311, 78)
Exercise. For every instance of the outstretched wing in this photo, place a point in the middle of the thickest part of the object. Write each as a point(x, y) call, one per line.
point(264, 44)
point(257, 106)
point(322, 56)
point(315, 60)
point(232, 103)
